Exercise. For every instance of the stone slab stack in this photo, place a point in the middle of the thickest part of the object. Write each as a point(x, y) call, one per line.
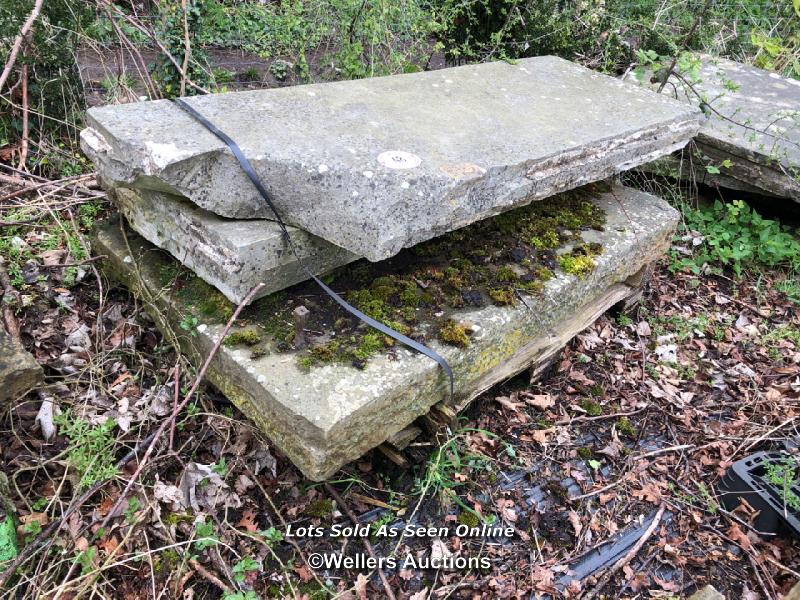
point(366, 169)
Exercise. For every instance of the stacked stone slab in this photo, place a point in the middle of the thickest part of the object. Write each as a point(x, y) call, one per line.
point(366, 169)
point(332, 414)
point(380, 164)
point(232, 255)
point(753, 126)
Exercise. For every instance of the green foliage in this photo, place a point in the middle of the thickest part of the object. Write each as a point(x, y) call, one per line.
point(54, 89)
point(783, 474)
point(365, 38)
point(245, 566)
point(85, 559)
point(91, 448)
point(204, 535)
point(272, 536)
point(171, 26)
point(735, 235)
point(134, 505)
point(247, 595)
point(8, 539)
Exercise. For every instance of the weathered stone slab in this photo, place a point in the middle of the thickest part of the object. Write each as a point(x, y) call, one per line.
point(707, 593)
point(331, 414)
point(19, 371)
point(690, 166)
point(753, 122)
point(380, 164)
point(231, 255)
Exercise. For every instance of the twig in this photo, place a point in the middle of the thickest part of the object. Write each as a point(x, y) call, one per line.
point(133, 23)
point(162, 428)
point(187, 50)
point(370, 550)
point(754, 564)
point(58, 184)
point(209, 575)
point(23, 32)
point(7, 289)
point(629, 556)
point(581, 419)
point(175, 396)
point(597, 491)
point(77, 264)
point(23, 151)
point(684, 45)
point(764, 436)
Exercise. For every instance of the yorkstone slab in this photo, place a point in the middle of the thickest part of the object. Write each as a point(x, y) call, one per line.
point(332, 414)
point(231, 255)
point(753, 122)
point(380, 164)
point(19, 371)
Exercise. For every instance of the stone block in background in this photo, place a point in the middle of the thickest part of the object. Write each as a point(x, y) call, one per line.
point(754, 124)
point(19, 371)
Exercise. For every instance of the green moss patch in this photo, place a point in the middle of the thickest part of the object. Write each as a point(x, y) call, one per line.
point(454, 334)
point(580, 261)
point(246, 337)
point(494, 261)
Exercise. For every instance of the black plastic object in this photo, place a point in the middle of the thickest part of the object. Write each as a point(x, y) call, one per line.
point(747, 480)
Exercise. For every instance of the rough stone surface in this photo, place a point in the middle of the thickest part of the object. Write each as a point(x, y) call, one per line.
point(379, 164)
point(755, 123)
point(707, 593)
point(231, 255)
point(324, 418)
point(19, 371)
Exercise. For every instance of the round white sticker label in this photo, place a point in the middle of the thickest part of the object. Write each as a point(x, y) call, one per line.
point(397, 159)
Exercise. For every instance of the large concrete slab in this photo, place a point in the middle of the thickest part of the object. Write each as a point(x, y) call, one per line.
point(332, 414)
point(379, 164)
point(232, 255)
point(753, 122)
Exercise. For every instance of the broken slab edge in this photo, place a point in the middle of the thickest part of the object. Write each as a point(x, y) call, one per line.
point(232, 256)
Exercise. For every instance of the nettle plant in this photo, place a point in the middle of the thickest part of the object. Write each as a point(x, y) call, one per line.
point(736, 236)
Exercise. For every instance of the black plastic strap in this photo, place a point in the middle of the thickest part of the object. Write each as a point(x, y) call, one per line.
point(251, 174)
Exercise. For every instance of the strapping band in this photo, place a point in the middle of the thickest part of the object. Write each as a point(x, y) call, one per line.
point(251, 174)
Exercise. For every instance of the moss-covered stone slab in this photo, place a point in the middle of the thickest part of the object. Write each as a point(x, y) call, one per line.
point(327, 411)
point(232, 255)
point(752, 131)
point(380, 164)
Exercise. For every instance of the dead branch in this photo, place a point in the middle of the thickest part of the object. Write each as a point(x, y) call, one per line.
point(23, 151)
point(15, 47)
point(7, 289)
point(135, 24)
point(629, 556)
point(27, 186)
point(370, 550)
point(77, 264)
point(187, 50)
point(685, 44)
